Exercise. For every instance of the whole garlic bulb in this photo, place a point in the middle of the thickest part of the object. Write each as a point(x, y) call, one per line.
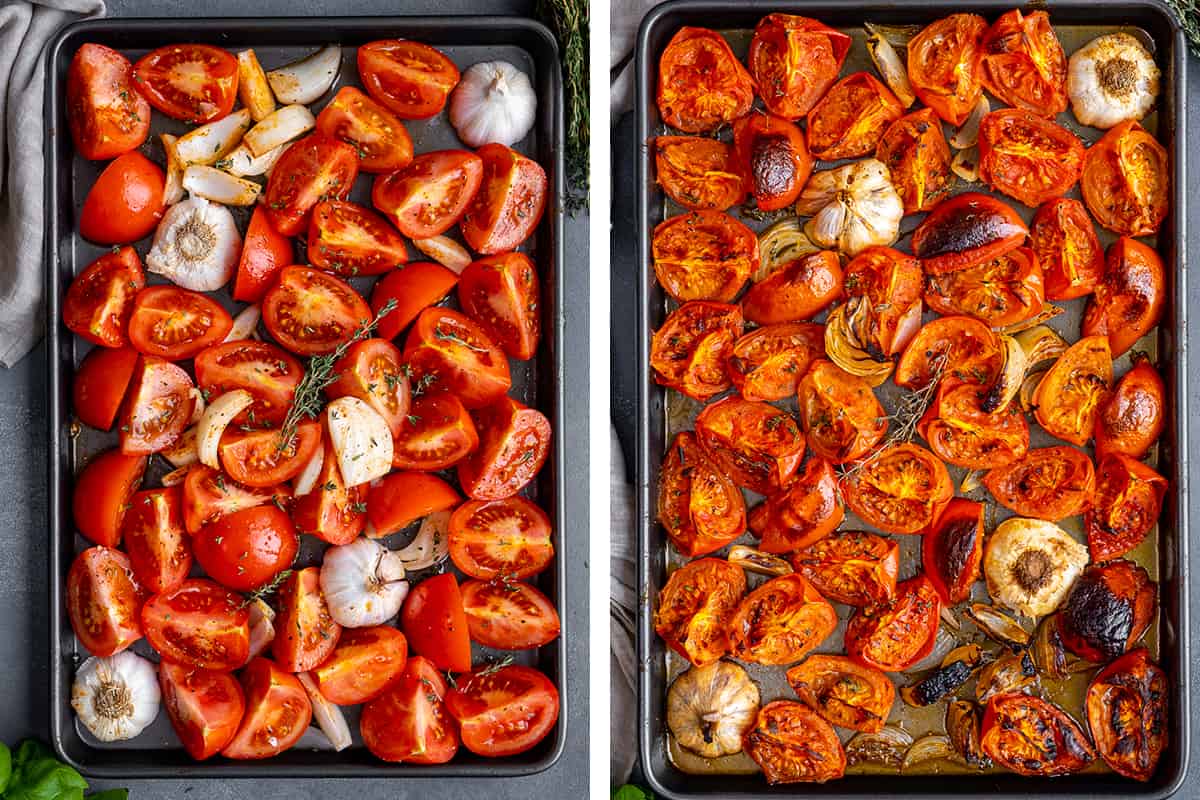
point(116, 697)
point(1111, 79)
point(709, 708)
point(494, 102)
point(1030, 565)
point(363, 583)
point(196, 246)
point(852, 207)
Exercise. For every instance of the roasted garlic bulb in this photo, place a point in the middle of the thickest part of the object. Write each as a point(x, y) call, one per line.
point(709, 708)
point(1111, 79)
point(1030, 565)
point(852, 207)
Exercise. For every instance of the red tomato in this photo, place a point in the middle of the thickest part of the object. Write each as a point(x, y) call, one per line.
point(509, 203)
point(311, 312)
point(806, 511)
point(100, 384)
point(503, 712)
point(431, 194)
point(961, 347)
point(409, 721)
point(698, 172)
point(852, 567)
point(1124, 507)
point(888, 283)
point(208, 495)
point(371, 370)
point(256, 459)
point(902, 489)
point(196, 83)
point(1028, 157)
point(435, 623)
point(1133, 417)
point(952, 550)
point(157, 544)
point(1128, 302)
point(157, 407)
point(103, 601)
point(200, 624)
point(307, 633)
point(962, 429)
point(844, 693)
point(944, 65)
point(411, 79)
point(437, 434)
point(514, 441)
point(914, 150)
point(413, 289)
point(1125, 182)
point(501, 293)
point(332, 511)
point(402, 498)
point(798, 290)
point(966, 230)
point(278, 712)
point(245, 549)
point(701, 84)
point(794, 60)
point(312, 169)
point(364, 663)
point(896, 636)
point(773, 156)
point(205, 707)
point(506, 539)
point(1024, 64)
point(125, 203)
point(780, 622)
point(1127, 714)
point(269, 373)
point(449, 352)
point(703, 255)
point(509, 616)
point(380, 138)
point(265, 251)
point(701, 509)
point(176, 324)
point(108, 116)
point(349, 239)
point(1110, 607)
point(758, 445)
point(1069, 396)
point(1064, 239)
point(99, 301)
point(850, 119)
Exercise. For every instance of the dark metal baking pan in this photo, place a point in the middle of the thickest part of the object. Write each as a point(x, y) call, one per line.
point(665, 775)
point(466, 40)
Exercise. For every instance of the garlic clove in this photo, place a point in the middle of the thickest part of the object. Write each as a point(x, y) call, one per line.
point(363, 583)
point(196, 246)
point(220, 187)
point(243, 163)
point(361, 440)
point(117, 697)
point(173, 189)
point(431, 545)
point(447, 252)
point(212, 142)
point(494, 102)
point(279, 128)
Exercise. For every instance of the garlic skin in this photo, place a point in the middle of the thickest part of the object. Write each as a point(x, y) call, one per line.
point(1111, 79)
point(852, 207)
point(494, 102)
point(116, 697)
point(363, 583)
point(196, 246)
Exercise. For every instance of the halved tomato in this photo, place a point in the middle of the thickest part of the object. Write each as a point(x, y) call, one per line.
point(1069, 397)
point(246, 549)
point(773, 156)
point(100, 383)
point(841, 415)
point(501, 293)
point(332, 511)
point(409, 721)
point(450, 352)
point(196, 83)
point(102, 494)
point(852, 567)
point(961, 431)
point(108, 116)
point(436, 625)
point(794, 60)
point(951, 551)
point(1127, 713)
point(1125, 506)
point(427, 197)
point(269, 373)
point(412, 79)
point(411, 289)
point(701, 84)
point(310, 170)
point(261, 459)
point(1028, 157)
point(1003, 291)
point(278, 712)
point(380, 138)
point(364, 663)
point(437, 434)
point(402, 498)
point(509, 616)
point(900, 489)
point(514, 441)
point(125, 203)
point(1125, 182)
point(1134, 416)
point(176, 324)
point(807, 510)
point(507, 539)
point(846, 694)
point(1064, 239)
point(696, 606)
point(895, 636)
point(768, 363)
point(688, 353)
point(205, 707)
point(849, 120)
point(698, 505)
point(1109, 609)
point(509, 204)
point(1129, 300)
point(1033, 737)
point(371, 370)
point(798, 290)
point(967, 230)
point(103, 601)
point(780, 622)
point(158, 546)
point(307, 633)
point(311, 312)
point(758, 445)
point(349, 239)
point(265, 251)
point(209, 494)
point(503, 712)
point(944, 65)
point(960, 347)
point(99, 301)
point(1049, 483)
point(791, 743)
point(199, 623)
point(698, 172)
point(1024, 64)
point(915, 152)
point(158, 406)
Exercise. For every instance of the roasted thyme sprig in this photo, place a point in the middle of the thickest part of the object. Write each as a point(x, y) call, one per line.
point(568, 19)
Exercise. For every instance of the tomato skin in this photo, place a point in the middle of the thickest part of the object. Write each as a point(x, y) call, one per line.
point(103, 601)
point(310, 312)
point(349, 239)
point(265, 251)
point(209, 495)
point(952, 550)
point(850, 119)
point(307, 633)
point(844, 693)
point(696, 606)
point(794, 60)
point(402, 498)
point(966, 230)
point(176, 324)
point(806, 511)
point(1125, 506)
point(1064, 239)
point(780, 622)
point(509, 204)
point(768, 362)
point(1023, 63)
point(431, 194)
point(102, 493)
point(504, 712)
point(1014, 724)
point(514, 441)
point(894, 637)
point(509, 616)
point(759, 446)
point(158, 546)
point(915, 151)
point(435, 624)
point(437, 434)
point(698, 172)
point(449, 352)
point(268, 372)
point(944, 65)
point(108, 116)
point(256, 460)
point(382, 141)
point(852, 567)
point(971, 351)
point(1127, 713)
point(411, 79)
point(278, 712)
point(961, 430)
point(409, 722)
point(169, 78)
point(793, 744)
point(332, 511)
point(99, 300)
point(701, 509)
point(205, 707)
point(157, 407)
point(689, 352)
point(798, 290)
point(773, 156)
point(1109, 609)
point(371, 370)
point(501, 293)
point(841, 417)
point(902, 490)
point(1134, 416)
point(200, 624)
point(1125, 182)
point(100, 384)
point(1069, 397)
point(364, 663)
point(125, 203)
point(245, 549)
point(701, 84)
point(1128, 302)
point(1028, 157)
point(413, 289)
point(312, 169)
point(1049, 483)
point(500, 539)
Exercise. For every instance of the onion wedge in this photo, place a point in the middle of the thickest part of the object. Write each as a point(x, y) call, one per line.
point(891, 68)
point(220, 187)
point(210, 143)
point(361, 440)
point(329, 717)
point(199, 404)
point(262, 627)
point(306, 481)
point(183, 452)
point(253, 88)
point(432, 544)
point(281, 127)
point(307, 79)
point(173, 190)
point(214, 422)
point(243, 163)
point(244, 324)
point(175, 477)
point(447, 252)
point(968, 135)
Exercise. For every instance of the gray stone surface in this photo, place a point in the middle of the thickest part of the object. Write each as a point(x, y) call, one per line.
point(24, 645)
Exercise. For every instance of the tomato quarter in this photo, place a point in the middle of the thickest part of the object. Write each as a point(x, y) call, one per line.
point(371, 370)
point(270, 374)
point(960, 347)
point(411, 79)
point(310, 170)
point(351, 240)
point(449, 352)
point(794, 60)
point(698, 505)
point(200, 624)
point(915, 152)
point(807, 510)
point(844, 693)
point(768, 363)
point(1125, 181)
point(278, 712)
point(1134, 416)
point(758, 445)
point(791, 743)
point(509, 616)
point(689, 352)
point(503, 712)
point(402, 498)
point(103, 601)
point(1049, 483)
point(951, 551)
point(1070, 394)
point(100, 384)
point(852, 567)
point(1033, 737)
point(1109, 609)
point(501, 293)
point(307, 633)
point(1064, 239)
point(246, 549)
point(944, 65)
point(698, 172)
point(437, 433)
point(1127, 714)
point(265, 251)
point(780, 622)
point(409, 721)
point(509, 204)
point(382, 141)
point(205, 707)
point(196, 83)
point(108, 116)
point(158, 406)
point(961, 431)
point(1128, 302)
point(427, 197)
point(259, 459)
point(902, 489)
point(701, 84)
point(102, 494)
point(364, 663)
point(773, 156)
point(514, 441)
point(895, 636)
point(850, 119)
point(798, 290)
point(311, 312)
point(157, 543)
point(209, 495)
point(966, 230)
point(841, 416)
point(99, 301)
point(1028, 157)
point(435, 624)
point(125, 203)
point(332, 511)
point(413, 289)
point(1125, 506)
point(1024, 64)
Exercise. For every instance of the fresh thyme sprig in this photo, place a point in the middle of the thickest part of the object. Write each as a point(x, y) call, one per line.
point(263, 592)
point(1189, 18)
point(568, 19)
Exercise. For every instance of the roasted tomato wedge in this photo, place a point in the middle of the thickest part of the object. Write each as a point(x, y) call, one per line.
point(698, 505)
point(401, 498)
point(1133, 418)
point(245, 549)
point(102, 494)
point(372, 370)
point(265, 251)
point(509, 204)
point(514, 441)
point(698, 172)
point(798, 290)
point(155, 539)
point(966, 230)
point(509, 616)
point(915, 152)
point(1107, 611)
point(900, 490)
point(199, 623)
point(696, 606)
point(103, 601)
point(894, 636)
point(508, 539)
point(267, 372)
point(256, 458)
point(703, 255)
point(1064, 239)
point(278, 712)
point(99, 301)
point(1033, 737)
point(962, 432)
point(208, 495)
point(758, 445)
point(413, 289)
point(205, 707)
point(841, 416)
point(806, 511)
point(501, 293)
point(125, 203)
point(409, 721)
point(449, 352)
point(176, 324)
point(768, 363)
point(689, 352)
point(701, 84)
point(849, 120)
point(430, 195)
point(503, 712)
point(952, 549)
point(307, 633)
point(794, 60)
point(312, 169)
point(1049, 483)
point(889, 282)
point(108, 116)
point(1125, 181)
point(1125, 507)
point(846, 694)
point(1028, 157)
point(435, 623)
point(196, 83)
point(791, 743)
point(773, 156)
point(780, 622)
point(437, 433)
point(852, 567)
point(380, 138)
point(100, 384)
point(1069, 397)
point(1129, 300)
point(351, 240)
point(365, 661)
point(331, 511)
point(1127, 714)
point(1023, 63)
point(411, 79)
point(944, 65)
point(157, 407)
point(311, 312)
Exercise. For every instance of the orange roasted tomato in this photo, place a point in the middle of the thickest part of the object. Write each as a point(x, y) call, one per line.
point(850, 119)
point(962, 432)
point(1125, 181)
point(967, 230)
point(758, 445)
point(846, 694)
point(699, 505)
point(794, 60)
point(915, 152)
point(890, 283)
point(902, 489)
point(1133, 418)
point(805, 512)
point(1064, 239)
point(841, 416)
point(1033, 737)
point(688, 353)
point(701, 84)
point(1071, 393)
point(944, 65)
point(1028, 157)
point(852, 567)
point(894, 636)
point(1125, 507)
point(1049, 483)
point(960, 347)
point(1129, 300)
point(791, 743)
point(1023, 63)
point(952, 549)
point(698, 172)
point(1003, 291)
point(1127, 713)
point(798, 290)
point(774, 159)
point(767, 363)
point(1109, 608)
point(703, 255)
point(780, 622)
point(696, 606)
